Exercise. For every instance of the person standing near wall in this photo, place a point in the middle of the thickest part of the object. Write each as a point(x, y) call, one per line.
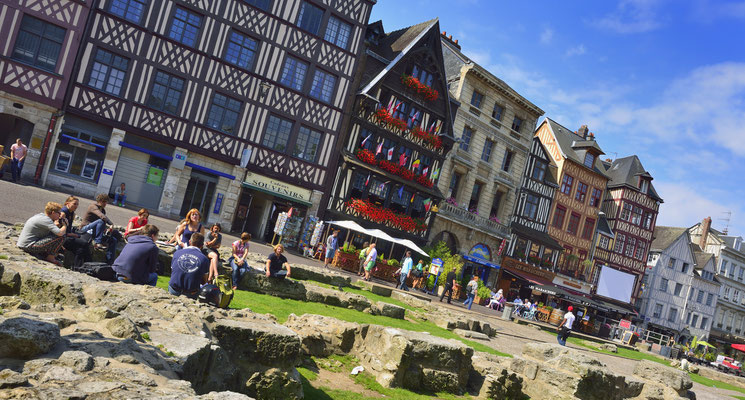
point(18, 153)
point(332, 244)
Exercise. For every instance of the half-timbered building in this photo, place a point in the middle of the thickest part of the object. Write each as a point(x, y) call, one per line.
point(582, 182)
point(630, 206)
point(36, 63)
point(481, 175)
point(174, 97)
point(398, 134)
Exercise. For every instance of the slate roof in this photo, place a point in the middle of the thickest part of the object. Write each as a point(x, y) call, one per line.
point(569, 141)
point(664, 236)
point(604, 226)
point(626, 172)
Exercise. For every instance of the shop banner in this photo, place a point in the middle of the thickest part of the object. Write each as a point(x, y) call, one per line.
point(277, 187)
point(280, 225)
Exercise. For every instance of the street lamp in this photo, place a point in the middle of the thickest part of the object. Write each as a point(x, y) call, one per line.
point(265, 86)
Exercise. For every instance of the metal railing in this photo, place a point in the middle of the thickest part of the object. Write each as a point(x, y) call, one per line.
point(471, 219)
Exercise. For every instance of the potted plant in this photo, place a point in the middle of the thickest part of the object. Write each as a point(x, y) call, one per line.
point(346, 258)
point(535, 260)
point(483, 293)
point(520, 255)
point(451, 263)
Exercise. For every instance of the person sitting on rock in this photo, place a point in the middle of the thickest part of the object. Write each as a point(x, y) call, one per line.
point(188, 227)
point(136, 223)
point(138, 261)
point(95, 220)
point(40, 236)
point(190, 268)
point(75, 242)
point(275, 262)
point(238, 259)
point(214, 237)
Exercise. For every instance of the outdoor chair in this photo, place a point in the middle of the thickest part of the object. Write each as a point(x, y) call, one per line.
point(529, 314)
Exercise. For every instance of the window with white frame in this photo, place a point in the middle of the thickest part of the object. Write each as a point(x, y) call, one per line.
point(704, 322)
point(700, 297)
point(732, 270)
point(620, 240)
point(726, 293)
point(735, 296)
point(630, 247)
point(626, 212)
point(465, 138)
point(723, 267)
point(709, 299)
point(604, 242)
point(641, 246)
point(678, 289)
point(671, 263)
point(694, 320)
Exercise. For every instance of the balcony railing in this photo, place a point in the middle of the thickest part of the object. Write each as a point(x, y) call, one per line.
point(470, 219)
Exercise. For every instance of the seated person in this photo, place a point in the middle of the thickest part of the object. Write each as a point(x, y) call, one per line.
point(189, 269)
point(214, 237)
point(238, 259)
point(138, 261)
point(494, 301)
point(40, 236)
point(136, 223)
point(518, 305)
point(275, 262)
point(74, 241)
point(188, 227)
point(95, 220)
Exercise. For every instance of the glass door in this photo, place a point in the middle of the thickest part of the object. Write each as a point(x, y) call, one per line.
point(199, 193)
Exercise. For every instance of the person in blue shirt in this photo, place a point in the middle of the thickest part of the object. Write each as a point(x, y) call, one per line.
point(190, 268)
point(138, 261)
point(406, 269)
point(332, 244)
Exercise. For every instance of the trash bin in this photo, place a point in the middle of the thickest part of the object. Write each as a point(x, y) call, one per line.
point(604, 331)
point(674, 353)
point(507, 312)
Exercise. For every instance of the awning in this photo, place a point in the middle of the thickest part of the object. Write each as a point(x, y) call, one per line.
point(480, 261)
point(378, 234)
point(536, 280)
point(606, 306)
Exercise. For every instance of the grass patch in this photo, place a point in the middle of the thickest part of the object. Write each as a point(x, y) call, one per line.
point(373, 297)
point(368, 381)
point(3, 257)
point(717, 384)
point(282, 308)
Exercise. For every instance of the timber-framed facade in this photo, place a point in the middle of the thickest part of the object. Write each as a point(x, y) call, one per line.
point(170, 97)
point(397, 137)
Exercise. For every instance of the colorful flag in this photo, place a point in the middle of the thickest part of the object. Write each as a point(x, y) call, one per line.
point(390, 104)
point(414, 117)
point(439, 126)
point(416, 163)
point(396, 107)
point(367, 181)
point(382, 185)
point(390, 154)
point(289, 213)
point(436, 173)
point(432, 127)
point(427, 204)
point(400, 192)
point(380, 148)
point(412, 198)
point(402, 159)
point(424, 171)
point(365, 140)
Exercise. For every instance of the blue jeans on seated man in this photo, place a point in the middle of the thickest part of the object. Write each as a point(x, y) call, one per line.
point(122, 197)
point(175, 292)
point(281, 274)
point(152, 279)
point(238, 270)
point(97, 228)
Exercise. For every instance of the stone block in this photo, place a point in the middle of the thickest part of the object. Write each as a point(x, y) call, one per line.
point(471, 334)
point(323, 336)
point(388, 310)
point(675, 379)
point(24, 338)
point(331, 277)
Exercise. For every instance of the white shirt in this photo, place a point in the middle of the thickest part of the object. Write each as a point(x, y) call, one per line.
point(570, 319)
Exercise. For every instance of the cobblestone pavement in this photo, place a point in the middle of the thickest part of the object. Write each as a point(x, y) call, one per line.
point(19, 202)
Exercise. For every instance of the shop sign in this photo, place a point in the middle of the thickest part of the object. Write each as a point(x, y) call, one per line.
point(270, 185)
point(517, 265)
point(435, 266)
point(624, 323)
point(154, 176)
point(218, 204)
point(107, 171)
point(480, 251)
point(179, 159)
point(579, 286)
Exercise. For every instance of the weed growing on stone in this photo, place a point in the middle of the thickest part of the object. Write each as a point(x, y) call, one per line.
point(3, 257)
point(146, 336)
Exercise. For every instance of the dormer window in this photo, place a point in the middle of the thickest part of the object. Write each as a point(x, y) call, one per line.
point(644, 186)
point(589, 160)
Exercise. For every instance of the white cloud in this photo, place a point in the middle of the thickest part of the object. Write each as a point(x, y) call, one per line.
point(631, 16)
point(576, 51)
point(685, 205)
point(547, 35)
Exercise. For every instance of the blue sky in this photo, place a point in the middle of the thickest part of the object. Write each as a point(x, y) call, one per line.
point(662, 79)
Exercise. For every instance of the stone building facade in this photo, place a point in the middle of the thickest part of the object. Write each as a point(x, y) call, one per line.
point(39, 46)
point(231, 107)
point(481, 176)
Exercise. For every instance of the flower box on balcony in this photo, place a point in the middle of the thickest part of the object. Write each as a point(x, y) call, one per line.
point(419, 87)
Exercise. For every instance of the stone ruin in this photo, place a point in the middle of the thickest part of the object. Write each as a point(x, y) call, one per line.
point(67, 335)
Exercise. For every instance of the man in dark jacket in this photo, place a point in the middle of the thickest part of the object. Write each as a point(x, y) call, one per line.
point(449, 285)
point(138, 261)
point(95, 220)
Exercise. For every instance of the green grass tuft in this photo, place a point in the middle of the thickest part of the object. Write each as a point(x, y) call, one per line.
point(3, 257)
point(714, 383)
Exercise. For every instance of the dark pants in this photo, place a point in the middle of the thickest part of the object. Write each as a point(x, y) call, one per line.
point(15, 168)
point(80, 247)
point(281, 274)
point(563, 335)
point(449, 291)
point(111, 241)
point(178, 292)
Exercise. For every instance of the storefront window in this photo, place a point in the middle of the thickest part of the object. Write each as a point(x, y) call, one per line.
point(79, 154)
point(520, 248)
point(546, 260)
point(535, 249)
point(378, 191)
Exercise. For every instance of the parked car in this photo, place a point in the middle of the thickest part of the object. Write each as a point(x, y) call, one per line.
point(727, 364)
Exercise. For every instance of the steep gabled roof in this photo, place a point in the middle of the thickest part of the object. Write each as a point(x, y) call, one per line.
point(604, 227)
point(664, 236)
point(625, 172)
point(569, 142)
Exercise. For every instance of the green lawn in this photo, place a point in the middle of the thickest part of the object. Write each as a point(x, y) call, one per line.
point(714, 383)
point(282, 308)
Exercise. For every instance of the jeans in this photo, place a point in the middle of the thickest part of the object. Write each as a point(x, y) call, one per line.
point(122, 197)
point(15, 168)
point(563, 335)
point(152, 279)
point(238, 271)
point(175, 292)
point(403, 282)
point(281, 274)
point(469, 300)
point(97, 227)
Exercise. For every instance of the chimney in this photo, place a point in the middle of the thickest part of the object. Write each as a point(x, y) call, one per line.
point(610, 160)
point(583, 131)
point(705, 226)
point(592, 136)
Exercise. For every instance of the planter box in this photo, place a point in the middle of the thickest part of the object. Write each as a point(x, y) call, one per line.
point(481, 301)
point(458, 292)
point(384, 271)
point(346, 261)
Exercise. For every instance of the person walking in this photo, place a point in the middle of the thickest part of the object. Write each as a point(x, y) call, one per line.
point(565, 328)
point(331, 245)
point(405, 270)
point(120, 195)
point(449, 285)
point(18, 153)
point(362, 256)
point(471, 291)
point(372, 257)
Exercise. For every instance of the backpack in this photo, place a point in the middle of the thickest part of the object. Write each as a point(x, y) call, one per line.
point(218, 294)
point(98, 270)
